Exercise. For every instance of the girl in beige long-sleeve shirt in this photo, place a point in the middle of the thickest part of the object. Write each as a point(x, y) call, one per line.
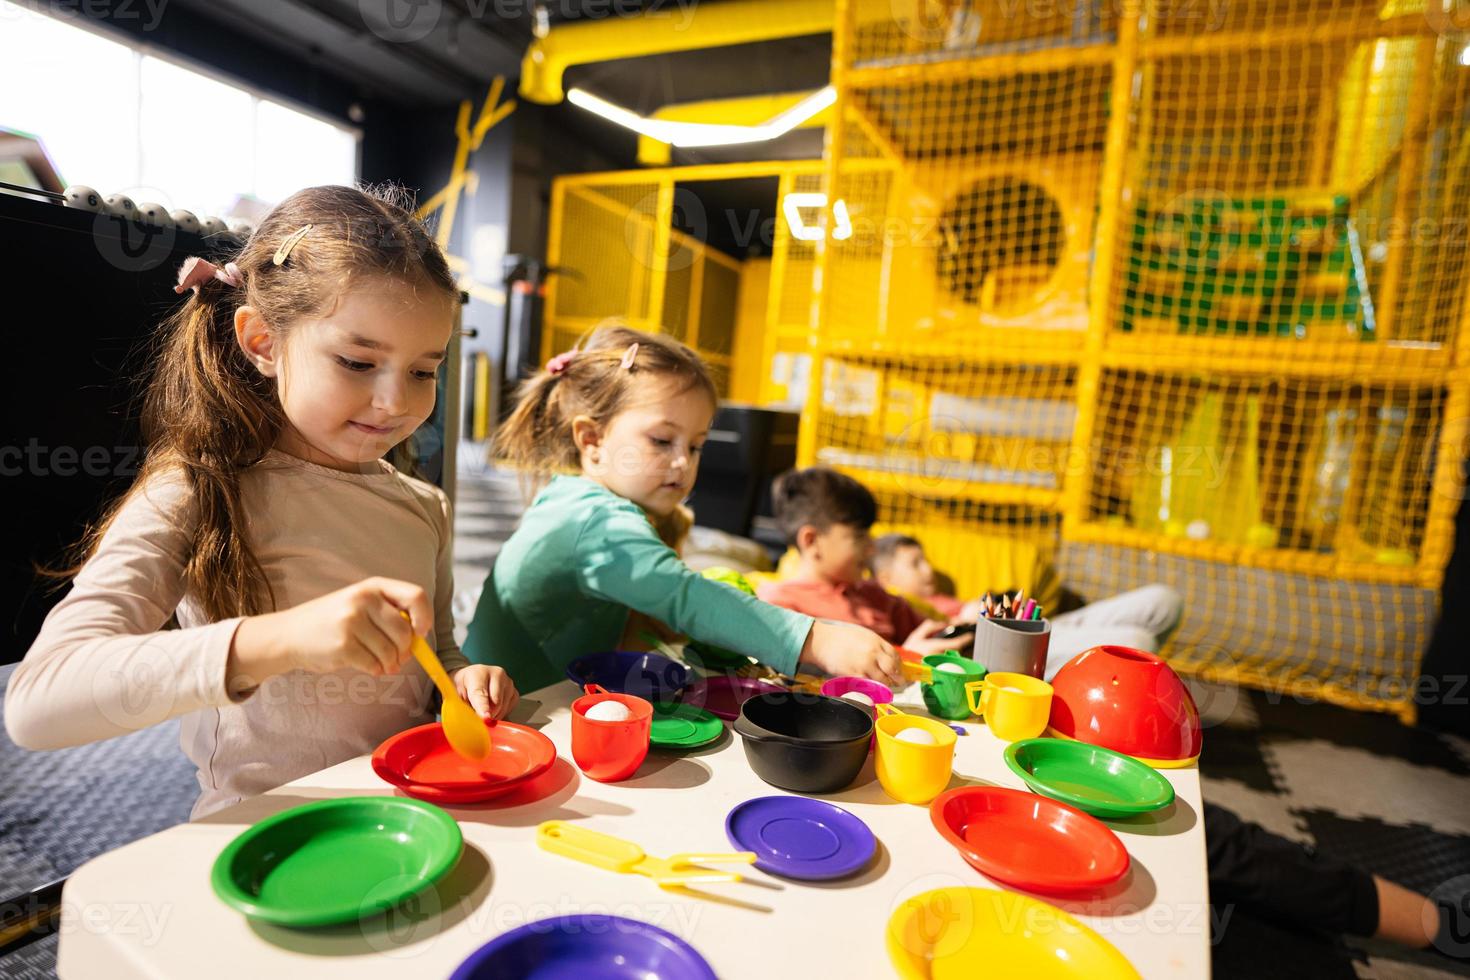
point(266, 521)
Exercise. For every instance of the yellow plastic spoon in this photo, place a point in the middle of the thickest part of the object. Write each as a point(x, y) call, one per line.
point(615, 854)
point(463, 727)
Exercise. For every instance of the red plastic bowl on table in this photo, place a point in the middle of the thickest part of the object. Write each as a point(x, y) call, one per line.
point(1129, 701)
point(1029, 841)
point(421, 763)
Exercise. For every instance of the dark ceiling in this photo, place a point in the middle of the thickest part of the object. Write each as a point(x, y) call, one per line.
point(435, 52)
point(436, 55)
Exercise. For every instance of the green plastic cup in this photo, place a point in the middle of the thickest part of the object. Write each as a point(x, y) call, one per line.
point(944, 694)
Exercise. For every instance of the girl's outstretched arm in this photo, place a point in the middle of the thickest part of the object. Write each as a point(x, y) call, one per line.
point(620, 558)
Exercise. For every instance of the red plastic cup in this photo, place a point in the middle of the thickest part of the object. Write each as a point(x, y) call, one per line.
point(610, 751)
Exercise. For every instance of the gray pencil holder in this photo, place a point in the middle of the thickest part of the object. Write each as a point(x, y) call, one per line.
point(1015, 645)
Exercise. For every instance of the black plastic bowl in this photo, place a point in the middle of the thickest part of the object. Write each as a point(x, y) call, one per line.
point(805, 743)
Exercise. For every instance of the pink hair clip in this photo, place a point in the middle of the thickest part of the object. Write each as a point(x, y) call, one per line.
point(196, 271)
point(559, 363)
point(628, 356)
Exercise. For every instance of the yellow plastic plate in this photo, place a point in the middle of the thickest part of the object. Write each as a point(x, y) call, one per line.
point(963, 933)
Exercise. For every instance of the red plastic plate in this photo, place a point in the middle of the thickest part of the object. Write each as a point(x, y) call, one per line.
point(1029, 841)
point(421, 763)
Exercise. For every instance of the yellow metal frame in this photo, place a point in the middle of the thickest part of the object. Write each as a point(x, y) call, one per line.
point(782, 337)
point(468, 140)
point(806, 316)
point(1101, 288)
point(463, 181)
point(481, 429)
point(1134, 54)
point(1410, 155)
point(661, 31)
point(667, 242)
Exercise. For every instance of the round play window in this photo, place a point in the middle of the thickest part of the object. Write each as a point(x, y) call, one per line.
point(1001, 240)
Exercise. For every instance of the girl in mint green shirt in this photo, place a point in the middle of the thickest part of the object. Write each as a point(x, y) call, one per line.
point(628, 412)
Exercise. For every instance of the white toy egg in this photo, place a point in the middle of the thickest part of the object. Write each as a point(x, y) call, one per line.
point(185, 220)
point(858, 697)
point(212, 226)
point(917, 736)
point(609, 711)
point(951, 668)
point(242, 227)
point(155, 214)
point(121, 205)
point(83, 198)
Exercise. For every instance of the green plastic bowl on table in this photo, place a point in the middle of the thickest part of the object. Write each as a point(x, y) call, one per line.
point(682, 726)
point(1095, 780)
point(336, 861)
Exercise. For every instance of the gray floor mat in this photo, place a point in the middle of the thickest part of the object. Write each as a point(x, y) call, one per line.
point(60, 809)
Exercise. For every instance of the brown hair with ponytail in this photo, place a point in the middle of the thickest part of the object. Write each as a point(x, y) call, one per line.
point(592, 381)
point(208, 414)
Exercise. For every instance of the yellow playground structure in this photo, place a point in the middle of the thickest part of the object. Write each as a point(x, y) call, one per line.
point(1113, 292)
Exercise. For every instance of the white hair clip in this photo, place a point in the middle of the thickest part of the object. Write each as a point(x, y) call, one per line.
point(284, 252)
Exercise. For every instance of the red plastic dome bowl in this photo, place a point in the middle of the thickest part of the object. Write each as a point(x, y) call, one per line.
point(1129, 701)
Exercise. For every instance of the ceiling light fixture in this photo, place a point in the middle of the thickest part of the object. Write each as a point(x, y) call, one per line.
point(686, 134)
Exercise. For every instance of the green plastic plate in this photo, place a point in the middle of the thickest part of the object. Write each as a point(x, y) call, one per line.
point(336, 860)
point(683, 726)
point(1099, 781)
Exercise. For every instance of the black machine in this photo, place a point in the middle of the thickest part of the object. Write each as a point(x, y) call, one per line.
point(747, 447)
point(524, 278)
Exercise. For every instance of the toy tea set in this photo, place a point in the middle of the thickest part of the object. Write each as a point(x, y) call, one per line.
point(1111, 717)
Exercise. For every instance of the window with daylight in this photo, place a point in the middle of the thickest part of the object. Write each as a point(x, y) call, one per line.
point(122, 118)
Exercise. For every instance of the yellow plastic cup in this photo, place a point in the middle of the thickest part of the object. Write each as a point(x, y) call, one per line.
point(1015, 706)
point(907, 771)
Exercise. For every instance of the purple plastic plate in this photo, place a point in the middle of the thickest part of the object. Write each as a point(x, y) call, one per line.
point(722, 694)
point(796, 837)
point(650, 676)
point(576, 947)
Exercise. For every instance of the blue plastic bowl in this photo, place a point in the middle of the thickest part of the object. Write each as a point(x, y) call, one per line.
point(650, 676)
point(579, 947)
